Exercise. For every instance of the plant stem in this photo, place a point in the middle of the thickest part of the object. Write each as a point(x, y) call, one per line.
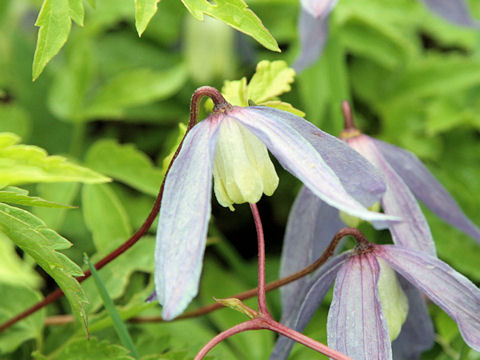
point(261, 293)
point(220, 103)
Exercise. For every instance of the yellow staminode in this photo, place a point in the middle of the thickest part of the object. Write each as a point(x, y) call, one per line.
point(393, 299)
point(242, 169)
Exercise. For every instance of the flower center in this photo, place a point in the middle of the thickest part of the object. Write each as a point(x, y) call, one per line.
point(242, 169)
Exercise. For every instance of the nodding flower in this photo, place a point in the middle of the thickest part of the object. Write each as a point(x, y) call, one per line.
point(231, 143)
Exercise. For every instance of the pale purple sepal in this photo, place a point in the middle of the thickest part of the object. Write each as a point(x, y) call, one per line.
point(356, 325)
point(357, 175)
point(318, 8)
point(455, 11)
point(426, 188)
point(310, 228)
point(313, 34)
point(307, 301)
point(413, 232)
point(298, 156)
point(450, 290)
point(183, 220)
point(418, 334)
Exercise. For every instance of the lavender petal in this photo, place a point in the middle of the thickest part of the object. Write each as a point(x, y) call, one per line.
point(426, 188)
point(450, 290)
point(413, 232)
point(298, 156)
point(183, 221)
point(356, 325)
point(455, 11)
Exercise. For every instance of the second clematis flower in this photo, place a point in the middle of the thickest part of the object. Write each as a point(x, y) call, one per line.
point(231, 143)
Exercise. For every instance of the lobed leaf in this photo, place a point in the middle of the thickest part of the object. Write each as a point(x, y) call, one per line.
point(32, 235)
point(21, 164)
point(9, 195)
point(270, 79)
point(55, 22)
point(236, 14)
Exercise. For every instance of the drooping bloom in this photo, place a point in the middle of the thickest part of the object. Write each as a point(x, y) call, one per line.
point(314, 16)
point(230, 143)
point(362, 321)
point(312, 224)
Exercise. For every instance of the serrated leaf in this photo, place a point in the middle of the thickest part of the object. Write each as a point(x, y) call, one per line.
point(22, 164)
point(134, 88)
point(12, 197)
point(271, 79)
point(31, 235)
point(236, 14)
point(235, 92)
point(92, 349)
point(14, 300)
point(126, 164)
point(144, 11)
point(55, 22)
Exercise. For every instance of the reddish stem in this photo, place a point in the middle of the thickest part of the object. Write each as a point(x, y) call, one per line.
point(261, 293)
point(220, 103)
point(349, 130)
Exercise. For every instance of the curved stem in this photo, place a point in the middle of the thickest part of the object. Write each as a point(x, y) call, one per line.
point(254, 324)
point(220, 103)
point(261, 293)
point(305, 340)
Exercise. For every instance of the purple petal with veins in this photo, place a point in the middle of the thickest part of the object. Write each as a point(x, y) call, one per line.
point(450, 290)
point(455, 11)
point(308, 299)
point(183, 220)
point(298, 156)
point(413, 232)
point(356, 325)
point(426, 188)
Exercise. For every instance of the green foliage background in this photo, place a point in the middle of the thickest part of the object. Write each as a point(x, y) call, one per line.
point(111, 102)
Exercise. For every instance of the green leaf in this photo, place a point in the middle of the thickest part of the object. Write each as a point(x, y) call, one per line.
point(134, 88)
point(55, 21)
point(105, 217)
point(32, 235)
point(91, 349)
point(21, 164)
point(235, 92)
point(281, 105)
point(14, 270)
point(236, 14)
point(14, 300)
point(144, 11)
point(118, 324)
point(9, 195)
point(126, 164)
point(271, 79)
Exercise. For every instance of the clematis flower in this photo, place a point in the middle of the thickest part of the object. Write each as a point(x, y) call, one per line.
point(230, 143)
point(314, 16)
point(367, 311)
point(312, 224)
